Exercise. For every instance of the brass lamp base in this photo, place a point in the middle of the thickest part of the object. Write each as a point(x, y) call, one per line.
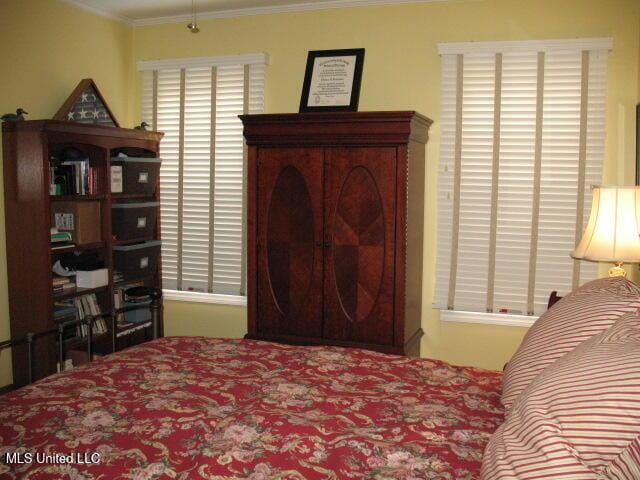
point(617, 271)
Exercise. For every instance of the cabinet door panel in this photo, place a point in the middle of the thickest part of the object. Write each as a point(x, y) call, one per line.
point(359, 261)
point(288, 225)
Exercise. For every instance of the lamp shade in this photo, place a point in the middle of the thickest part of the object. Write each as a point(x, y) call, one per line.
point(613, 231)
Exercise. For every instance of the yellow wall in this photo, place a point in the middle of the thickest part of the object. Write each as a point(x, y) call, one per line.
point(48, 45)
point(402, 71)
point(46, 48)
point(204, 319)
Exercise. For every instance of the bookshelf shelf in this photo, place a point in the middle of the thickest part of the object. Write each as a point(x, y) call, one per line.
point(127, 196)
point(131, 241)
point(144, 280)
point(76, 292)
point(77, 248)
point(77, 198)
point(46, 149)
point(81, 342)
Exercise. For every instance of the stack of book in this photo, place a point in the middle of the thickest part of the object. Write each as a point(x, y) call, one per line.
point(73, 177)
point(60, 239)
point(63, 284)
point(82, 307)
point(88, 305)
point(63, 312)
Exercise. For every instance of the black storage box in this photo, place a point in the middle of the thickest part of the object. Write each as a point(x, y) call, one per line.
point(134, 221)
point(137, 260)
point(139, 175)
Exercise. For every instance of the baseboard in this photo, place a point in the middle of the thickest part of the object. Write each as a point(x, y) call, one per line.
point(295, 340)
point(7, 388)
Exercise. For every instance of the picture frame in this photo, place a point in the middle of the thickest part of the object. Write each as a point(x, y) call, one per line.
point(86, 104)
point(332, 80)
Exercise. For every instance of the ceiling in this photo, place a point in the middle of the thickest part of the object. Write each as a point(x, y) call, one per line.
point(148, 12)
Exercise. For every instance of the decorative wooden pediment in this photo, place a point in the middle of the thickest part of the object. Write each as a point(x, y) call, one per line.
point(87, 105)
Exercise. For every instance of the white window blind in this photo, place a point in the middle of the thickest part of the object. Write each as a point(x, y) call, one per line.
point(522, 140)
point(196, 103)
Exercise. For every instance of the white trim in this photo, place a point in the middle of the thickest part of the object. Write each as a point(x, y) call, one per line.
point(240, 12)
point(199, 297)
point(245, 59)
point(101, 12)
point(504, 319)
point(605, 43)
point(296, 7)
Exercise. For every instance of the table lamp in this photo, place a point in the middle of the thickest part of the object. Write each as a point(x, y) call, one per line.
point(613, 232)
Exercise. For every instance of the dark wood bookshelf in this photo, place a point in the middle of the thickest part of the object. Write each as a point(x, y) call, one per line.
point(27, 149)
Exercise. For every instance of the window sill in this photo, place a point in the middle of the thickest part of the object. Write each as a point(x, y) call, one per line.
point(503, 319)
point(198, 297)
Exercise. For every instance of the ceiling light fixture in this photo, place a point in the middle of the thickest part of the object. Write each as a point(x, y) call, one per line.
point(193, 25)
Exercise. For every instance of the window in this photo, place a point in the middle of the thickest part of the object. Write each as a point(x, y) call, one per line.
point(522, 140)
point(196, 103)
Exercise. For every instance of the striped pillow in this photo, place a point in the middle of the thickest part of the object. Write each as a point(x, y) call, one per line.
point(627, 464)
point(580, 418)
point(589, 310)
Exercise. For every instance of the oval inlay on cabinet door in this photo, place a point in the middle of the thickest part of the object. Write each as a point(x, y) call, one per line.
point(358, 244)
point(290, 242)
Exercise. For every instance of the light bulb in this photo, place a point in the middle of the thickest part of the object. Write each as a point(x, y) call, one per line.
point(193, 25)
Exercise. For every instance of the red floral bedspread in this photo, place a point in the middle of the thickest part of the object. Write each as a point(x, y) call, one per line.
point(191, 408)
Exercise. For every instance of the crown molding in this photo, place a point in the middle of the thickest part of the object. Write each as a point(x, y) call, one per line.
point(101, 12)
point(297, 7)
point(242, 12)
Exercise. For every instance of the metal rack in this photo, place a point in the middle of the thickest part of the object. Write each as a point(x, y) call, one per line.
point(30, 338)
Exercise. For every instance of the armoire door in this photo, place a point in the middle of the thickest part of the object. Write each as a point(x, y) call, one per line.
point(289, 233)
point(360, 197)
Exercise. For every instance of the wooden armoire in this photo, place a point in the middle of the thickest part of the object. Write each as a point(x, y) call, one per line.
point(335, 207)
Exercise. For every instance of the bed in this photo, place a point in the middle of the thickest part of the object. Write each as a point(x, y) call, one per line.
point(194, 407)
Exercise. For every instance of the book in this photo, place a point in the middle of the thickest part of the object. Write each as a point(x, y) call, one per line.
point(61, 245)
point(73, 177)
point(60, 281)
point(87, 305)
point(64, 313)
point(62, 288)
point(61, 178)
point(58, 237)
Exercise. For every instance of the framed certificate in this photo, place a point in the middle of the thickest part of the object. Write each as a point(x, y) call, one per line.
point(332, 81)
